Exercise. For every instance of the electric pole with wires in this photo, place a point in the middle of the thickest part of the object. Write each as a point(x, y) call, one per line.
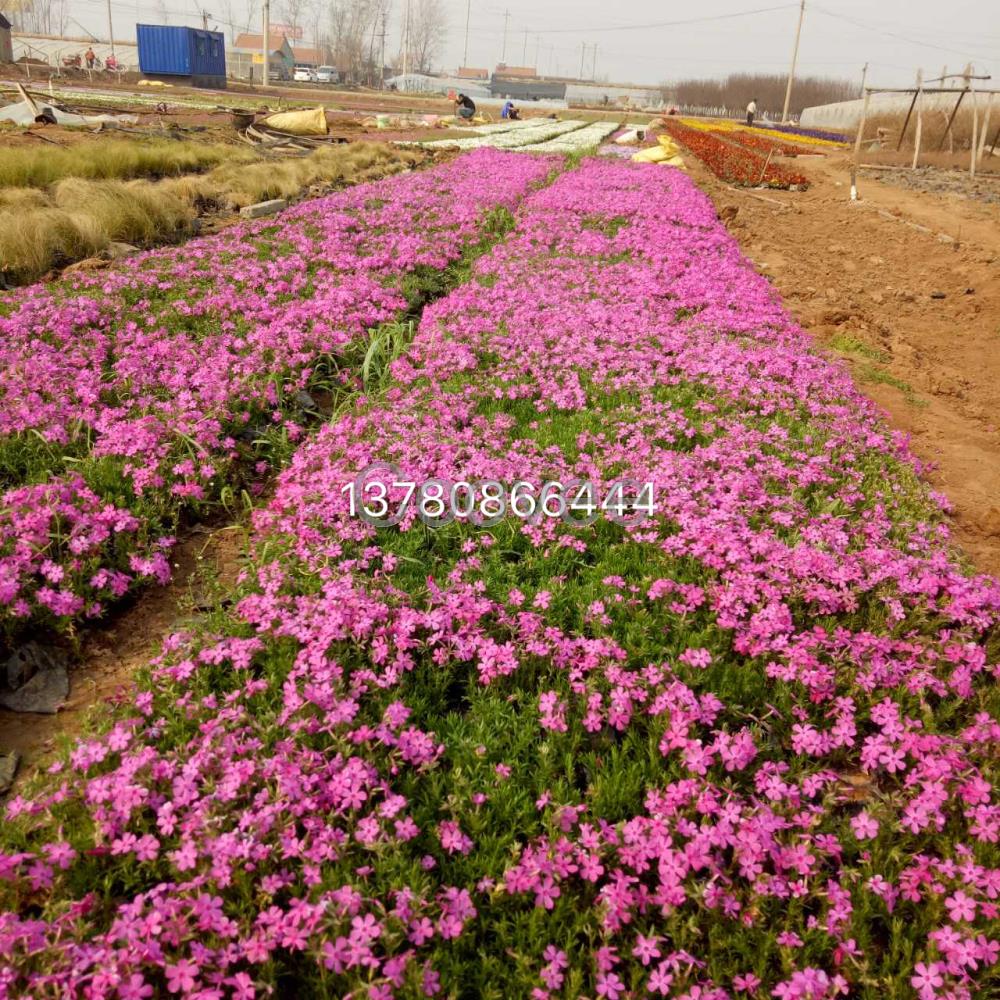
point(795, 58)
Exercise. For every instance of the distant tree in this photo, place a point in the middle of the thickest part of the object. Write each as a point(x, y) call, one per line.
point(735, 91)
point(352, 27)
point(43, 17)
point(241, 17)
point(428, 24)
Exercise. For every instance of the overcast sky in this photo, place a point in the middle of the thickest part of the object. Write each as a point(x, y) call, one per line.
point(636, 44)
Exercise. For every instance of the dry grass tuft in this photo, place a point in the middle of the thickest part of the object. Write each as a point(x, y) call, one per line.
point(77, 218)
point(34, 242)
point(234, 186)
point(115, 159)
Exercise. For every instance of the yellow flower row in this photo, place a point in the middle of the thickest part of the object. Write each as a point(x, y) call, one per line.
point(724, 125)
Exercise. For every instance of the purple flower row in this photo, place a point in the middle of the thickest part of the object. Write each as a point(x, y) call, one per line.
point(789, 639)
point(148, 376)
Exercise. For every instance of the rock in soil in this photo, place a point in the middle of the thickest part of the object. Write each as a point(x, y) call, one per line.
point(44, 693)
point(8, 769)
point(27, 660)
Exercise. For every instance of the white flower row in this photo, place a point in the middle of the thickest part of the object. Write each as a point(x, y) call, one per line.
point(513, 139)
point(505, 126)
point(580, 139)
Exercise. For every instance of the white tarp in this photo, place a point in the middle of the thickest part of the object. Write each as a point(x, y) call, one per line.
point(27, 112)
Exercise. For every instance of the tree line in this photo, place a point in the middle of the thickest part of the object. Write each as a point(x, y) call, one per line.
point(349, 32)
point(735, 91)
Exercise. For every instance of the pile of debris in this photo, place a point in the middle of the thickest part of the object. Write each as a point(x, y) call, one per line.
point(35, 110)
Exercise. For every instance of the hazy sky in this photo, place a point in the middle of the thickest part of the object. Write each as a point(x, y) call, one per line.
point(635, 43)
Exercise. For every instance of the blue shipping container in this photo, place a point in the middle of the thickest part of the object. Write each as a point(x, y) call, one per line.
point(165, 50)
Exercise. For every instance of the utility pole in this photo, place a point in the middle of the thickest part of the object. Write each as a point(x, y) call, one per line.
point(406, 42)
point(265, 43)
point(583, 56)
point(111, 30)
point(864, 79)
point(593, 74)
point(524, 51)
point(468, 14)
point(381, 65)
point(538, 44)
point(795, 58)
point(503, 54)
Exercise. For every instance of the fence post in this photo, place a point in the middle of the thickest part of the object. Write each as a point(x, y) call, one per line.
point(984, 134)
point(857, 146)
point(909, 114)
point(920, 120)
point(975, 130)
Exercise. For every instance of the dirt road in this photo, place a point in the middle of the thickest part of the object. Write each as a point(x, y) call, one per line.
point(914, 311)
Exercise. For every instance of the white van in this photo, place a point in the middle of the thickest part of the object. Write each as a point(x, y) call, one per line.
point(304, 74)
point(327, 74)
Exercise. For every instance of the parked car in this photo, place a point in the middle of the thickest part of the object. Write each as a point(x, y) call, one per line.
point(304, 74)
point(327, 74)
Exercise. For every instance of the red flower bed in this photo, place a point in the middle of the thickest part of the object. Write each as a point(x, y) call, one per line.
point(763, 144)
point(731, 163)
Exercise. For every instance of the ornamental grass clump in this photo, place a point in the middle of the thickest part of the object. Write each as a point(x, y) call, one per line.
point(744, 745)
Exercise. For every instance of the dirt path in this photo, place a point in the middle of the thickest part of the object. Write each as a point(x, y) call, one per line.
point(915, 313)
point(111, 655)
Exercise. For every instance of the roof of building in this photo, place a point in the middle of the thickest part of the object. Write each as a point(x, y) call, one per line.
point(518, 72)
point(311, 56)
point(251, 41)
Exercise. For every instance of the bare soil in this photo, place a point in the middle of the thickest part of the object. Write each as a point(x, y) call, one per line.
point(905, 287)
point(983, 187)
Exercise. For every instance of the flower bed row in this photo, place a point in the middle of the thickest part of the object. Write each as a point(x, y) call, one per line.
point(131, 395)
point(810, 133)
point(766, 130)
point(764, 144)
point(577, 141)
point(731, 163)
point(746, 748)
point(509, 138)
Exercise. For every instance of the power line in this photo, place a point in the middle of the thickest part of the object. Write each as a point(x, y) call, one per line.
point(868, 26)
point(666, 24)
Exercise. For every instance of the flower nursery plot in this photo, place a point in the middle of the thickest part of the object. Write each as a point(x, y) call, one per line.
point(512, 137)
point(732, 162)
point(733, 738)
point(130, 396)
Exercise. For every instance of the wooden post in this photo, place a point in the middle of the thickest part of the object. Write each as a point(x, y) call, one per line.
point(951, 121)
point(986, 126)
point(857, 146)
point(909, 114)
point(975, 130)
point(920, 121)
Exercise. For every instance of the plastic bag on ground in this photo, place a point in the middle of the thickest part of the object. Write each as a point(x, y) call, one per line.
point(664, 153)
point(311, 122)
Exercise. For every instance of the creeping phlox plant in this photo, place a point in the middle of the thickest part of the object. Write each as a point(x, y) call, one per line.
point(745, 748)
point(130, 395)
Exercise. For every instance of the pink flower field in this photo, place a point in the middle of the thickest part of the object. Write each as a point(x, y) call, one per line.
point(743, 747)
point(133, 397)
